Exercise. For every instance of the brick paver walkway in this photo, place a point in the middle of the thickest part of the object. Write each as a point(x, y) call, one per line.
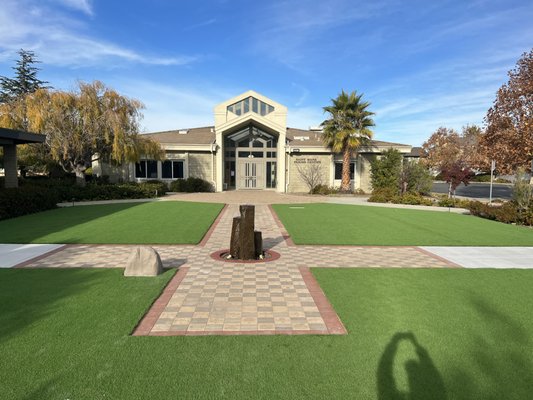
point(214, 297)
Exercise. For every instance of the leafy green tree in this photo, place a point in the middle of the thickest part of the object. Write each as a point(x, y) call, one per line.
point(386, 170)
point(12, 90)
point(415, 178)
point(93, 120)
point(25, 80)
point(347, 129)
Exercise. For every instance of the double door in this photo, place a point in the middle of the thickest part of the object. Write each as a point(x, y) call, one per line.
point(250, 174)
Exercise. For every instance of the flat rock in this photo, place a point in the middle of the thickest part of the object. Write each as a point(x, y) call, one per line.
point(143, 261)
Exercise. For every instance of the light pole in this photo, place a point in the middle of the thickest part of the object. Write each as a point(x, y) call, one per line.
point(492, 168)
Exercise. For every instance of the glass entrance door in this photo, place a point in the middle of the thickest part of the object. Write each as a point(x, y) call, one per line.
point(251, 174)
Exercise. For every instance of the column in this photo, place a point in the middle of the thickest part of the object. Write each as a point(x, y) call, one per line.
point(10, 165)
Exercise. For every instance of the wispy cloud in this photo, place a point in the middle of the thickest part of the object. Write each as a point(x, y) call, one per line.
point(61, 39)
point(175, 106)
point(200, 24)
point(84, 6)
point(303, 96)
point(305, 117)
point(292, 32)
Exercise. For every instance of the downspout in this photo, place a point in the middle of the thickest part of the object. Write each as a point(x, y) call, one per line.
point(213, 149)
point(287, 169)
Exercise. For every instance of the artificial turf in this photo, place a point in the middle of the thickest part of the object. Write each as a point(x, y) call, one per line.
point(166, 222)
point(337, 224)
point(413, 333)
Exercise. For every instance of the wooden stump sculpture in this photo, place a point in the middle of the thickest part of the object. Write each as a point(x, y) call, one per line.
point(245, 244)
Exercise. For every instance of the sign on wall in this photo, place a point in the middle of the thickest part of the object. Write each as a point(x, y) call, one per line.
point(307, 161)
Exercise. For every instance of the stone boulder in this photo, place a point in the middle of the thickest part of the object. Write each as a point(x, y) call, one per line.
point(143, 261)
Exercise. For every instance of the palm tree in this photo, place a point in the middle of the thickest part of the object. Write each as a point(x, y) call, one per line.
point(347, 129)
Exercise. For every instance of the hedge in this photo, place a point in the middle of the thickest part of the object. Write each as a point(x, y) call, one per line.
point(191, 185)
point(15, 202)
point(507, 213)
point(43, 194)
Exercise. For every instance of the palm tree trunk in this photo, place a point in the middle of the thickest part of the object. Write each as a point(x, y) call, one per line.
point(345, 182)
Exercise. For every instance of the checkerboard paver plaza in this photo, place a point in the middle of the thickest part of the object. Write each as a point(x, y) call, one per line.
point(216, 297)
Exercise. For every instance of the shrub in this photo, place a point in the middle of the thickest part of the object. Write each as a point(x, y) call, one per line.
point(445, 201)
point(66, 190)
point(385, 170)
point(153, 188)
point(507, 213)
point(324, 189)
point(384, 195)
point(481, 178)
point(191, 185)
point(522, 192)
point(177, 185)
point(416, 178)
point(26, 200)
point(414, 199)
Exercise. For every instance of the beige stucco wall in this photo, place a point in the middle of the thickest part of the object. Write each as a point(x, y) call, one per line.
point(363, 167)
point(303, 162)
point(200, 166)
point(116, 173)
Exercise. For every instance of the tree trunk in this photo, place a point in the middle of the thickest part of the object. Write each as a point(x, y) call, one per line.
point(450, 190)
point(80, 176)
point(345, 182)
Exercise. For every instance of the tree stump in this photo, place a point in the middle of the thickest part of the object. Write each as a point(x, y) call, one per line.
point(258, 242)
point(246, 232)
point(235, 242)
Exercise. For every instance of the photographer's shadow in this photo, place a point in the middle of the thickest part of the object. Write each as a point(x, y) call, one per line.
point(423, 377)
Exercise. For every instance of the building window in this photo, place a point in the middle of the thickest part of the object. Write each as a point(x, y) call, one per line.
point(146, 169)
point(172, 169)
point(253, 104)
point(271, 174)
point(338, 170)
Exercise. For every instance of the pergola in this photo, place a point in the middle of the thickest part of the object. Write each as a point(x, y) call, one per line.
point(9, 139)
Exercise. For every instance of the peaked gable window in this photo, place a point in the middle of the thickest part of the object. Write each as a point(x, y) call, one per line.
point(251, 104)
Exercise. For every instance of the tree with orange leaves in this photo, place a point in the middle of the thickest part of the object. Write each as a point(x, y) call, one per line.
point(509, 134)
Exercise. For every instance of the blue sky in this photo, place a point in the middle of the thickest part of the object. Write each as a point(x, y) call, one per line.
point(421, 64)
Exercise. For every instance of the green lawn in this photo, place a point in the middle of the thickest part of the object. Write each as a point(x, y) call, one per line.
point(332, 224)
point(438, 334)
point(168, 222)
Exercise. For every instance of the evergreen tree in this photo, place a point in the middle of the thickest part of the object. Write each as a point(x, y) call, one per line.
point(25, 80)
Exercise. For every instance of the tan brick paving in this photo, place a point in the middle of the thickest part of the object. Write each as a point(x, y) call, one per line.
point(214, 297)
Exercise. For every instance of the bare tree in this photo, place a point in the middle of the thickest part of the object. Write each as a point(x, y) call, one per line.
point(311, 173)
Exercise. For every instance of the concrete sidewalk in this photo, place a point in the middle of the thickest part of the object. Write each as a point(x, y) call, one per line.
point(15, 254)
point(485, 257)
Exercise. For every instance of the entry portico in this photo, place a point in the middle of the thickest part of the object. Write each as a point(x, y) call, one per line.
point(250, 135)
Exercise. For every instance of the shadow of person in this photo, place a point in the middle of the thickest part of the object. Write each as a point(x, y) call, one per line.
point(423, 377)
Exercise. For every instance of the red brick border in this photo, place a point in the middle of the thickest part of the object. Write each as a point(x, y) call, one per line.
point(284, 232)
point(239, 333)
point(37, 258)
point(330, 317)
point(148, 321)
point(206, 237)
